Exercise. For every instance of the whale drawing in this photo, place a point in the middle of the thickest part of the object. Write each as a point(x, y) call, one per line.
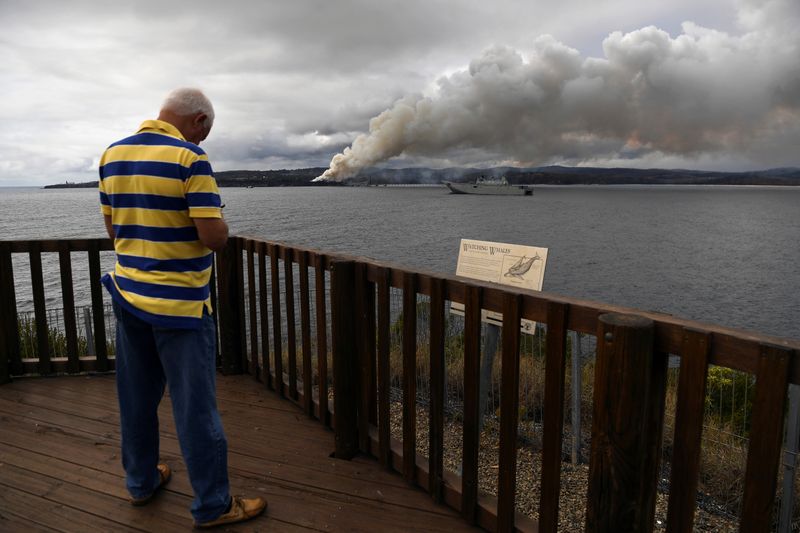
point(521, 267)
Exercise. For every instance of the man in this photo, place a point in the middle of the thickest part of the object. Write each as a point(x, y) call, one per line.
point(161, 207)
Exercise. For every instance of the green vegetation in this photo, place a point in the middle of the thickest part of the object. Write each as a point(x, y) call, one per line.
point(57, 339)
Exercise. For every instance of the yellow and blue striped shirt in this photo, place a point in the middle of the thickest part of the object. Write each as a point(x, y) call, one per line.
point(153, 184)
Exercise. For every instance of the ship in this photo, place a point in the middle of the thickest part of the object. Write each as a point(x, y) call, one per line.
point(499, 187)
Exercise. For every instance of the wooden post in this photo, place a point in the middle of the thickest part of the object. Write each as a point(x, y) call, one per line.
point(436, 419)
point(509, 415)
point(254, 367)
point(10, 362)
point(345, 359)
point(262, 305)
point(277, 339)
point(87, 326)
point(553, 423)
point(98, 308)
point(365, 309)
point(40, 309)
point(792, 446)
point(212, 286)
point(576, 398)
point(766, 434)
point(238, 298)
point(626, 426)
point(229, 316)
point(291, 339)
point(472, 412)
point(68, 298)
point(384, 372)
point(305, 335)
point(320, 311)
point(409, 351)
point(487, 364)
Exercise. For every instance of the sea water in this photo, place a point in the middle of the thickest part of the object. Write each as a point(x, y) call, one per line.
point(720, 254)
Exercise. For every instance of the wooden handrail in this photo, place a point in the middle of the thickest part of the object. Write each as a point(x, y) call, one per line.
point(359, 313)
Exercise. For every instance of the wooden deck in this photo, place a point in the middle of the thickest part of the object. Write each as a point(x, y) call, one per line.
point(60, 467)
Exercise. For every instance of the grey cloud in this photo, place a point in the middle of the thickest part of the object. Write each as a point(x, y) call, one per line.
point(295, 82)
point(703, 91)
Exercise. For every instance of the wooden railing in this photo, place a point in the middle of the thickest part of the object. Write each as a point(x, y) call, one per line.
point(256, 311)
point(12, 363)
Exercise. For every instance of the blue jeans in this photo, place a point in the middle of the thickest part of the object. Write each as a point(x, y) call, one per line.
point(147, 359)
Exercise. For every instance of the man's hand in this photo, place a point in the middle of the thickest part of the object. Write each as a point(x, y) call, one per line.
point(213, 232)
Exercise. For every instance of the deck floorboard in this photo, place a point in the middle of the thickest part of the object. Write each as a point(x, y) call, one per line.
point(60, 468)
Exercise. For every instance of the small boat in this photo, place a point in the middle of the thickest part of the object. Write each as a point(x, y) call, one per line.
point(490, 186)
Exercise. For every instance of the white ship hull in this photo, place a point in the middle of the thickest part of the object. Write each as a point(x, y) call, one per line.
point(495, 189)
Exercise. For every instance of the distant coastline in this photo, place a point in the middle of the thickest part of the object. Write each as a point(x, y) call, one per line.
point(551, 175)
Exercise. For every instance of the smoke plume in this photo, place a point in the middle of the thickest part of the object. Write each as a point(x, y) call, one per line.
point(702, 93)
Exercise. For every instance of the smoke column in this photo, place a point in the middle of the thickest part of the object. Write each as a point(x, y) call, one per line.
point(704, 92)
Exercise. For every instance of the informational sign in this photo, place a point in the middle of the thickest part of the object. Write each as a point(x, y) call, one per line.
point(508, 264)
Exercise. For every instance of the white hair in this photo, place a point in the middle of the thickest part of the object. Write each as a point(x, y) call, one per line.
point(188, 101)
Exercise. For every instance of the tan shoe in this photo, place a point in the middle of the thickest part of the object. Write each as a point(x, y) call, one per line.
point(164, 474)
point(241, 509)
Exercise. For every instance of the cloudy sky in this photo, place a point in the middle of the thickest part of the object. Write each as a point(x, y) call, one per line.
point(644, 83)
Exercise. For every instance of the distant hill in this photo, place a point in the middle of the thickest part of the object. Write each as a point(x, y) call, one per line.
point(551, 175)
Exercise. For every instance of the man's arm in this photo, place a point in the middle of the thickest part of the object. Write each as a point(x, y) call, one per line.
point(109, 226)
point(213, 232)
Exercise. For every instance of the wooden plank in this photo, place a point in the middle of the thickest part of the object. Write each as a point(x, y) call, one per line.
point(228, 315)
point(365, 327)
point(91, 413)
point(472, 363)
point(11, 498)
point(622, 481)
point(766, 434)
point(11, 362)
point(409, 376)
point(509, 414)
point(291, 341)
point(320, 310)
point(370, 340)
point(68, 300)
point(115, 509)
point(305, 329)
point(553, 426)
point(286, 496)
point(71, 423)
point(345, 360)
point(98, 309)
point(384, 375)
point(104, 478)
point(212, 286)
point(277, 340)
point(359, 280)
point(689, 410)
point(240, 302)
point(40, 311)
point(262, 302)
point(255, 367)
point(40, 513)
point(436, 418)
point(304, 487)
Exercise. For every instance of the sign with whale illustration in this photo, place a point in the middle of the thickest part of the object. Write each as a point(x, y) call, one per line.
point(508, 264)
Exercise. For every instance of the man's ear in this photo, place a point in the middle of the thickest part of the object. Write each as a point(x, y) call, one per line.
point(200, 119)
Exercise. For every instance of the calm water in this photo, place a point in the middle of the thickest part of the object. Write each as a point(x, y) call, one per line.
point(727, 255)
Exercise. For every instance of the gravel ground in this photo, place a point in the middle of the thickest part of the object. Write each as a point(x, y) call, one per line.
point(574, 478)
